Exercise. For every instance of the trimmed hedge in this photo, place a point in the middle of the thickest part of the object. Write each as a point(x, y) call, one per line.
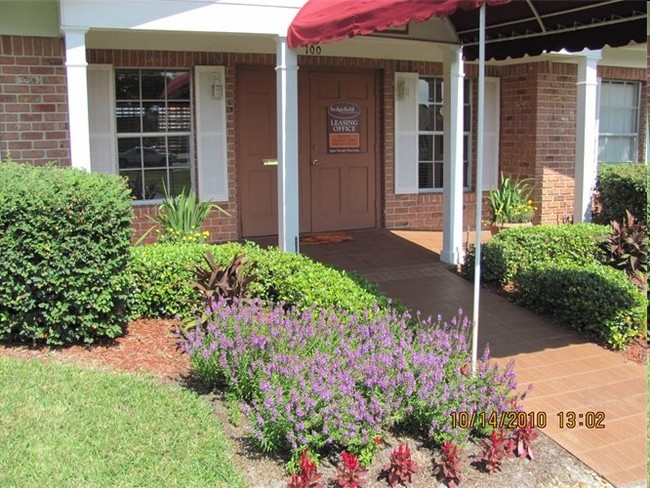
point(515, 249)
point(64, 252)
point(162, 272)
point(620, 187)
point(592, 298)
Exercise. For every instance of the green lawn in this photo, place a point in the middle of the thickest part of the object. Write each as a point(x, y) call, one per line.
point(64, 425)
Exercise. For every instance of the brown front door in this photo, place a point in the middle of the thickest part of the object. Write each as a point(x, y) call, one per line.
point(342, 153)
point(337, 189)
point(257, 145)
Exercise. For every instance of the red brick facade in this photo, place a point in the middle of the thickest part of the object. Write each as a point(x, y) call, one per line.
point(33, 100)
point(538, 109)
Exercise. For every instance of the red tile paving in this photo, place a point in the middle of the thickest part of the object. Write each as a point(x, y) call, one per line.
point(569, 373)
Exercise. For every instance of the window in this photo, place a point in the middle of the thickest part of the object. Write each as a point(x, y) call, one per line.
point(431, 133)
point(619, 121)
point(154, 130)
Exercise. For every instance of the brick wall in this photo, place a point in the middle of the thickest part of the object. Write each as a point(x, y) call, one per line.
point(33, 100)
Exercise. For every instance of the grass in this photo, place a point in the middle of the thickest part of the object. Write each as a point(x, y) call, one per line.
point(65, 425)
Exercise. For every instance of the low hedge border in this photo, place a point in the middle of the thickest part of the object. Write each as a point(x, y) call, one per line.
point(162, 273)
point(515, 249)
point(587, 297)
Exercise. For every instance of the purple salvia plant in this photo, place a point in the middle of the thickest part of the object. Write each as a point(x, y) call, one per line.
point(313, 377)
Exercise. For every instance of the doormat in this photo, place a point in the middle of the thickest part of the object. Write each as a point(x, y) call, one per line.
point(329, 238)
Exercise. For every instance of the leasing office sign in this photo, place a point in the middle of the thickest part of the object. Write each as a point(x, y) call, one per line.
point(343, 124)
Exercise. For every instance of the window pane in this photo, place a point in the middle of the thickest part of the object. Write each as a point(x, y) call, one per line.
point(437, 175)
point(437, 95)
point(437, 118)
point(179, 117)
point(129, 153)
point(426, 148)
point(154, 152)
point(616, 149)
point(134, 180)
point(423, 90)
point(127, 84)
point(155, 182)
point(425, 175)
point(179, 150)
point(178, 85)
point(467, 118)
point(180, 179)
point(128, 115)
point(153, 117)
point(438, 148)
point(153, 85)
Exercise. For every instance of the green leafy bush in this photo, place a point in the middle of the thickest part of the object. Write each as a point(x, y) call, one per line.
point(163, 275)
point(64, 252)
point(621, 187)
point(587, 297)
point(512, 250)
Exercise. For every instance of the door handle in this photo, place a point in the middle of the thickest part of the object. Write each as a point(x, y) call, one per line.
point(315, 162)
point(269, 162)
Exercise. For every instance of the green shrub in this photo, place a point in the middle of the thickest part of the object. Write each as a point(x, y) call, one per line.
point(586, 297)
point(512, 250)
point(620, 187)
point(162, 273)
point(64, 253)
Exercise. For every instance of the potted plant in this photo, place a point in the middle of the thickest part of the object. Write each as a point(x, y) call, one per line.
point(511, 204)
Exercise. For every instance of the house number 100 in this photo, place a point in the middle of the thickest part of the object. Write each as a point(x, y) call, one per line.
point(312, 50)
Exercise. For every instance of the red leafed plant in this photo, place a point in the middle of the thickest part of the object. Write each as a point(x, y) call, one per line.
point(306, 477)
point(449, 466)
point(522, 438)
point(401, 467)
point(350, 473)
point(494, 449)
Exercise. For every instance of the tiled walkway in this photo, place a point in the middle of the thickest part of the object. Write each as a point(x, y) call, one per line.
point(569, 374)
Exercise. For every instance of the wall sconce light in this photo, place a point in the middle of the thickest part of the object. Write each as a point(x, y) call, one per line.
point(217, 87)
point(402, 91)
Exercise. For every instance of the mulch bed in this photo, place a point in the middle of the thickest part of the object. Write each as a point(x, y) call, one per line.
point(150, 346)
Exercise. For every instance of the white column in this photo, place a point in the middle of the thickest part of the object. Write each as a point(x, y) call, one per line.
point(452, 194)
point(75, 63)
point(586, 135)
point(288, 198)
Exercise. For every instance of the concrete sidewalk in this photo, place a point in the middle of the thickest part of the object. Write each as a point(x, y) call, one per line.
point(570, 375)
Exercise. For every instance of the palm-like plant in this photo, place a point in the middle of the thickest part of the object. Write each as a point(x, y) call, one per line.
point(179, 218)
point(511, 202)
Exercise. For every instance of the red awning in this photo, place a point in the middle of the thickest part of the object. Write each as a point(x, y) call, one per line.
point(514, 28)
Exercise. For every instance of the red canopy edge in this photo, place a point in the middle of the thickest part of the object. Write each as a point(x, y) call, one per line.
point(321, 21)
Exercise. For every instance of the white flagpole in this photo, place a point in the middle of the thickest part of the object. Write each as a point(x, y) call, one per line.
point(479, 184)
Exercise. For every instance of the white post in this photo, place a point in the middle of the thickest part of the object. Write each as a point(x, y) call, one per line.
point(288, 197)
point(479, 186)
point(586, 135)
point(452, 186)
point(75, 64)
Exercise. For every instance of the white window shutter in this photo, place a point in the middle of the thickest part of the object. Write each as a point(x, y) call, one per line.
point(211, 133)
point(101, 118)
point(491, 139)
point(406, 133)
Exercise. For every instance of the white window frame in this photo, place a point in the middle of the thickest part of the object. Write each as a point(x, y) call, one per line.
point(634, 136)
point(189, 134)
point(467, 136)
